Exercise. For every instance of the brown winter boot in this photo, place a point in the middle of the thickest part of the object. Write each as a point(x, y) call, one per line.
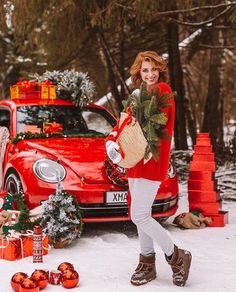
point(145, 271)
point(180, 264)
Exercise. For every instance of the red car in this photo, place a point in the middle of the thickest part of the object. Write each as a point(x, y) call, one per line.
point(52, 138)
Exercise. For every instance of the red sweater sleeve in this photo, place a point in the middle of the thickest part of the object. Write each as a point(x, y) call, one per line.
point(169, 111)
point(112, 135)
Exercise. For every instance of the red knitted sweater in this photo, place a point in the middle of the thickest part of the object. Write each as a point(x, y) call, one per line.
point(156, 170)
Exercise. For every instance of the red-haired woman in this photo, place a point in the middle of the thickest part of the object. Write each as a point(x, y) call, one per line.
point(145, 178)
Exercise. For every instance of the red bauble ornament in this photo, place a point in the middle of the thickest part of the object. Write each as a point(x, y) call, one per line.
point(69, 279)
point(16, 279)
point(29, 285)
point(41, 277)
point(65, 266)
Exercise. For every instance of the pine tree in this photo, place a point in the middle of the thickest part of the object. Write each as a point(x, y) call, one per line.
point(146, 108)
point(61, 219)
point(70, 85)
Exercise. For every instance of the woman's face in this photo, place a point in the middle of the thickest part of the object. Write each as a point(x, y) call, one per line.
point(149, 73)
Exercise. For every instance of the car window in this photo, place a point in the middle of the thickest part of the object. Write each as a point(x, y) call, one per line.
point(96, 122)
point(69, 120)
point(5, 118)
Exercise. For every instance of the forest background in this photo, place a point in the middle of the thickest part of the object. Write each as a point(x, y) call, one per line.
point(102, 37)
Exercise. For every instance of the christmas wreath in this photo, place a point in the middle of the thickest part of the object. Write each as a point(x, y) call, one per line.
point(146, 108)
point(115, 173)
point(70, 85)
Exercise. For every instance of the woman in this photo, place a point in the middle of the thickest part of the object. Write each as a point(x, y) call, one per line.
point(145, 178)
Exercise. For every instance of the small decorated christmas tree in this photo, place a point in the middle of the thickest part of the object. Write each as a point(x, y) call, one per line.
point(61, 218)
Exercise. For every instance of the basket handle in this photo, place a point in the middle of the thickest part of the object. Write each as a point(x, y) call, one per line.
point(126, 122)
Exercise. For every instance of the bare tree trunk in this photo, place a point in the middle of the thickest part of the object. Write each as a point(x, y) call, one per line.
point(191, 121)
point(190, 109)
point(121, 53)
point(214, 107)
point(176, 81)
point(111, 73)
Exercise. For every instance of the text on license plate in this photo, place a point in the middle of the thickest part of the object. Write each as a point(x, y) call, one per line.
point(119, 197)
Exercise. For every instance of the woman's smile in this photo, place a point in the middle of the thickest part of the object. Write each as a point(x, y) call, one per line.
point(149, 73)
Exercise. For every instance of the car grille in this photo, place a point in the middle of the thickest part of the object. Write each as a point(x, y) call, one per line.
point(102, 210)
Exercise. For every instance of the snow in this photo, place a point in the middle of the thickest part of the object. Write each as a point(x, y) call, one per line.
point(106, 255)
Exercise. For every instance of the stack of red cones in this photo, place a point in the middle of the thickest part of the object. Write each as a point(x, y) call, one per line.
point(202, 186)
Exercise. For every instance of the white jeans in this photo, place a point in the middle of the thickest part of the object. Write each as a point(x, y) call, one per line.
point(143, 193)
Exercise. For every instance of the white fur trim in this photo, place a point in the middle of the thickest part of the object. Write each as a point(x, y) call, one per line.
point(114, 134)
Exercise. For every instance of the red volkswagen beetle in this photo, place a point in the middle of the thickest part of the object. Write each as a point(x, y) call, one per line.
point(51, 138)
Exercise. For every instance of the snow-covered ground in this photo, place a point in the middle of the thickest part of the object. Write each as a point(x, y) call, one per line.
point(106, 255)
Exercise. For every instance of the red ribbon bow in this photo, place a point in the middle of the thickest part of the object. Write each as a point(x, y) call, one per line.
point(53, 128)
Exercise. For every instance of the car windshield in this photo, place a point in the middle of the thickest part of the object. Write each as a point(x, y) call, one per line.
point(64, 120)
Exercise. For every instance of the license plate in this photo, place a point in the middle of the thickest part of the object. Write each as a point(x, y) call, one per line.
point(115, 198)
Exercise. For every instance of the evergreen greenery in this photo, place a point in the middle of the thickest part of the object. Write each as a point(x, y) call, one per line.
point(61, 218)
point(24, 221)
point(146, 108)
point(70, 85)
point(28, 135)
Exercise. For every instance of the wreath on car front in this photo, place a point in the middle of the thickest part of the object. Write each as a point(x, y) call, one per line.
point(115, 173)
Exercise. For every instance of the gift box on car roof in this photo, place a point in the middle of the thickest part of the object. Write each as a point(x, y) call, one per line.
point(25, 89)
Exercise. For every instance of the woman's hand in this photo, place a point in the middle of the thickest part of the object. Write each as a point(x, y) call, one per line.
point(113, 153)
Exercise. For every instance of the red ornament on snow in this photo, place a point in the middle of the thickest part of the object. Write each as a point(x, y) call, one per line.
point(16, 280)
point(41, 277)
point(29, 285)
point(55, 277)
point(69, 279)
point(65, 266)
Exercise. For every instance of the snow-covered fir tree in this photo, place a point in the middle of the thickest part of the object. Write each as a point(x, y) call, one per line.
point(70, 85)
point(61, 218)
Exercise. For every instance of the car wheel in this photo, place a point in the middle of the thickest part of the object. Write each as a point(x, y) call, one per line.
point(13, 184)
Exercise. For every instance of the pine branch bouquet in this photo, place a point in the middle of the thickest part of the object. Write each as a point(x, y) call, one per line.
point(70, 85)
point(61, 218)
point(146, 109)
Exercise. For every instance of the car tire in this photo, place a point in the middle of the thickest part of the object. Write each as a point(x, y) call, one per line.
point(13, 183)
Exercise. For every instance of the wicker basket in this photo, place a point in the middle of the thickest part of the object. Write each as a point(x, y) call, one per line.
point(132, 142)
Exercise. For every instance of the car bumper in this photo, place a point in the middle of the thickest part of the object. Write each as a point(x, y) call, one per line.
point(103, 213)
point(94, 208)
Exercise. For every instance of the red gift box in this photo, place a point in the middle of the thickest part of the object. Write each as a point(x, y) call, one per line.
point(25, 89)
point(10, 249)
point(19, 246)
point(52, 128)
point(27, 241)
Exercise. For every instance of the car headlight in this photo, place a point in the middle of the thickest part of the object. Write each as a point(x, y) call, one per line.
point(49, 170)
